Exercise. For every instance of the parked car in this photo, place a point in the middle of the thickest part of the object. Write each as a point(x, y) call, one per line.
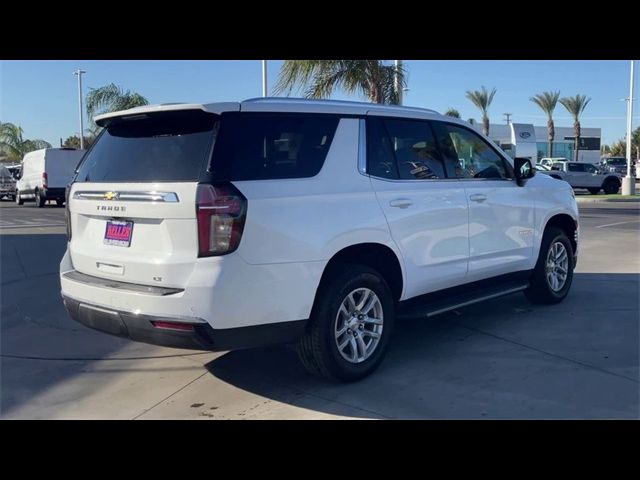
point(547, 161)
point(45, 174)
point(616, 165)
point(7, 184)
point(318, 223)
point(15, 170)
point(586, 175)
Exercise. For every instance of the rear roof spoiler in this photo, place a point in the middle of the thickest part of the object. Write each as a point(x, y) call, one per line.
point(217, 108)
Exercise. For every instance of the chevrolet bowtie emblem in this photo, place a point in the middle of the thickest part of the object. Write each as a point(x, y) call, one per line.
point(110, 195)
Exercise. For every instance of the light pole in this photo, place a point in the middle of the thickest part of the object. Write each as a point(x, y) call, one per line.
point(264, 78)
point(396, 81)
point(629, 182)
point(79, 73)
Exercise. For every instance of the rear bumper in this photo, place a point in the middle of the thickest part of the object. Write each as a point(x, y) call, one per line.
point(200, 336)
point(54, 193)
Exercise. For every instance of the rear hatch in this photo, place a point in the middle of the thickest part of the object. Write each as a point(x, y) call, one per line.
point(132, 205)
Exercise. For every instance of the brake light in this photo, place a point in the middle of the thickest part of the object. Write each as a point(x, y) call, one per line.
point(45, 180)
point(221, 211)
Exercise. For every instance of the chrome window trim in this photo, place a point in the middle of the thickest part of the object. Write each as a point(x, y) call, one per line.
point(151, 196)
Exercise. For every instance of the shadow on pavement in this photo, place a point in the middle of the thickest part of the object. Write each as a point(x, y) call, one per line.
point(34, 322)
point(501, 359)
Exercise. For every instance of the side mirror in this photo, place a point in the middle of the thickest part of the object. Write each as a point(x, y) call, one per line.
point(523, 169)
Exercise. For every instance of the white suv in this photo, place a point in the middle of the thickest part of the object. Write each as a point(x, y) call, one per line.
point(318, 223)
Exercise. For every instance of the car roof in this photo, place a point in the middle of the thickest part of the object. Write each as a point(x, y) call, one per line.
point(284, 104)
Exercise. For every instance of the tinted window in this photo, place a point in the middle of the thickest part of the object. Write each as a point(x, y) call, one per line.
point(576, 167)
point(259, 146)
point(158, 147)
point(473, 157)
point(380, 159)
point(404, 149)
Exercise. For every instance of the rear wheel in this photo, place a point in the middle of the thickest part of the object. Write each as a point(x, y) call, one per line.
point(553, 273)
point(40, 200)
point(59, 202)
point(350, 325)
point(594, 191)
point(19, 200)
point(610, 186)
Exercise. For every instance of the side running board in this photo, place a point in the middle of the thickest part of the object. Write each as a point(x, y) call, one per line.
point(444, 301)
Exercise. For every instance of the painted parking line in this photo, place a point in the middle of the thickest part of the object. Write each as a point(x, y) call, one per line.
point(4, 227)
point(618, 223)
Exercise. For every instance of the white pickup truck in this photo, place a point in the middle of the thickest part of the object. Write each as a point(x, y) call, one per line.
point(585, 175)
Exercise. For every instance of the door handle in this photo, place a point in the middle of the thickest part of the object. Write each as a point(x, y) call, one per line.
point(477, 197)
point(401, 203)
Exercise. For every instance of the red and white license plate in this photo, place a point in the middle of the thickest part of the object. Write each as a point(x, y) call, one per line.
point(118, 233)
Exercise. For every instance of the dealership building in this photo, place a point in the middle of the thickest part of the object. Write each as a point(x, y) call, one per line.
point(527, 140)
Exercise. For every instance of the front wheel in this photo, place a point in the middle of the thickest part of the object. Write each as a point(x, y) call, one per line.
point(553, 273)
point(350, 325)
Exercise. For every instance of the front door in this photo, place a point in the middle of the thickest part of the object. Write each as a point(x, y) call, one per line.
point(501, 214)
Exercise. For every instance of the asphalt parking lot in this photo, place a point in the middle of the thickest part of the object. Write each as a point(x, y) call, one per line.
point(501, 359)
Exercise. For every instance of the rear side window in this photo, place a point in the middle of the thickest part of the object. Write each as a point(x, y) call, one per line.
point(576, 167)
point(404, 149)
point(155, 147)
point(265, 146)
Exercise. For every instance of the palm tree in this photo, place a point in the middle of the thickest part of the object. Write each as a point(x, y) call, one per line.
point(547, 102)
point(482, 99)
point(14, 145)
point(112, 98)
point(319, 78)
point(452, 112)
point(575, 106)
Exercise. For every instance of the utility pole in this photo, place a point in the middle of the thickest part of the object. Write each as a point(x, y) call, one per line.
point(79, 75)
point(397, 85)
point(508, 119)
point(629, 182)
point(264, 78)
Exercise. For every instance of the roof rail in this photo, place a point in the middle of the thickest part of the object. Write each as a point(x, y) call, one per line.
point(338, 102)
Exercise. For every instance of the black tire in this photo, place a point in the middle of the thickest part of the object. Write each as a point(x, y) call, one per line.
point(19, 200)
point(318, 350)
point(540, 292)
point(59, 202)
point(611, 186)
point(593, 191)
point(40, 200)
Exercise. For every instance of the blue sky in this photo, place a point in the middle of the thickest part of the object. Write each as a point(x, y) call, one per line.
point(41, 96)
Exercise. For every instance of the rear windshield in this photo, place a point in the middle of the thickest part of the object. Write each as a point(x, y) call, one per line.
point(261, 146)
point(158, 147)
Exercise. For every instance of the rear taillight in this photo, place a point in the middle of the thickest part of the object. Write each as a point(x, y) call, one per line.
point(221, 211)
point(45, 180)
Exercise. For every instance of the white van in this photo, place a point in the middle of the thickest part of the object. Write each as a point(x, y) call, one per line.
point(45, 175)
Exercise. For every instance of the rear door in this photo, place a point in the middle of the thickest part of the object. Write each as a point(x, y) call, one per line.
point(426, 210)
point(132, 205)
point(60, 166)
